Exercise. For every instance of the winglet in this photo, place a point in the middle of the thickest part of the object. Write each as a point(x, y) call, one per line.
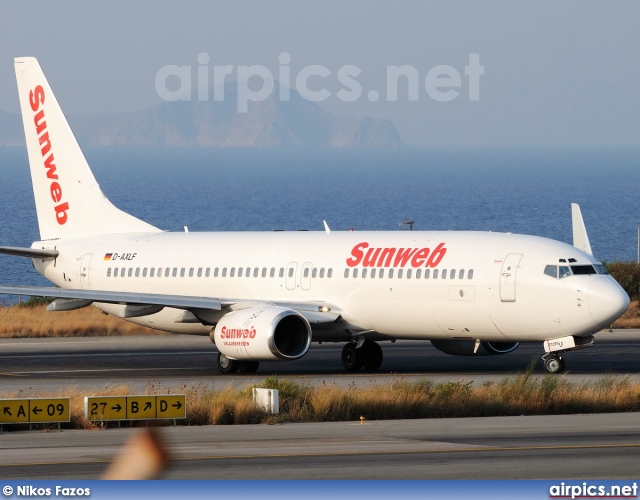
point(326, 227)
point(580, 236)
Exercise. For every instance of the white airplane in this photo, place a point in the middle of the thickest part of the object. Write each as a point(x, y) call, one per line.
point(265, 296)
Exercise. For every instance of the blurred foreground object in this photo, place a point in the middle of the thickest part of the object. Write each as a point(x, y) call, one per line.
point(144, 456)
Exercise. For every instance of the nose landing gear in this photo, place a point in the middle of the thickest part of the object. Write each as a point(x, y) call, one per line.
point(553, 363)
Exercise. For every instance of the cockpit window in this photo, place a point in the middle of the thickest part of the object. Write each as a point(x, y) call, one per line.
point(601, 269)
point(584, 269)
point(564, 272)
point(551, 271)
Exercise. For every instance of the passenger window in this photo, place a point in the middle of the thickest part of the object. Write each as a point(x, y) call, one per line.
point(224, 272)
point(400, 271)
point(390, 273)
point(453, 274)
point(199, 272)
point(329, 272)
point(291, 271)
point(551, 271)
point(255, 272)
point(314, 273)
point(418, 274)
point(306, 272)
point(461, 274)
point(564, 272)
point(435, 274)
point(144, 272)
point(215, 272)
point(355, 272)
point(322, 272)
point(248, 272)
point(282, 272)
point(239, 272)
point(444, 274)
point(470, 274)
point(373, 273)
point(191, 272)
point(167, 272)
point(346, 272)
point(272, 273)
point(427, 273)
point(108, 272)
point(364, 272)
point(182, 271)
point(152, 272)
point(207, 272)
point(130, 274)
point(175, 272)
point(409, 274)
point(381, 273)
point(264, 272)
point(232, 272)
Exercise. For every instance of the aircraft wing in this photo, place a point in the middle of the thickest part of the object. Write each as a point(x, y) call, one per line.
point(580, 236)
point(68, 299)
point(128, 298)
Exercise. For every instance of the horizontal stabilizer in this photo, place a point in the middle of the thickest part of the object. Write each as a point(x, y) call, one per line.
point(32, 253)
point(580, 237)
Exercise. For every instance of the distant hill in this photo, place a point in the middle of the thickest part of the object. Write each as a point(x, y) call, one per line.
point(269, 123)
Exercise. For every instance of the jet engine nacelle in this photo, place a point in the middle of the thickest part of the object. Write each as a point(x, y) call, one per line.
point(466, 347)
point(268, 333)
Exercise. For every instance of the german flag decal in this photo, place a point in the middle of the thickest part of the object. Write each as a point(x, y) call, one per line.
point(108, 256)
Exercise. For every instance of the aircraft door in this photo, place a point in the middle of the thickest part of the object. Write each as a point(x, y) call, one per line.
point(85, 265)
point(305, 278)
point(290, 278)
point(508, 277)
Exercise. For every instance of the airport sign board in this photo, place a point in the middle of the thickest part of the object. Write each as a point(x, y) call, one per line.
point(103, 408)
point(34, 410)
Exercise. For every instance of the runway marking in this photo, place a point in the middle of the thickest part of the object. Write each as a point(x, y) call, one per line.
point(21, 374)
point(110, 354)
point(350, 453)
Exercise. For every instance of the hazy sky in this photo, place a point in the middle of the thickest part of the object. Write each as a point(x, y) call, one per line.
point(554, 72)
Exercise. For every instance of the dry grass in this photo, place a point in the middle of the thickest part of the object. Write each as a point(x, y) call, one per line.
point(524, 394)
point(20, 322)
point(630, 319)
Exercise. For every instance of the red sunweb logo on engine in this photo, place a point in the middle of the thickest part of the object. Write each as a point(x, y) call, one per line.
point(36, 99)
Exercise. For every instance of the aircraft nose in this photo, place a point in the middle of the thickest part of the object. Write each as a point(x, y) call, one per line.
point(607, 301)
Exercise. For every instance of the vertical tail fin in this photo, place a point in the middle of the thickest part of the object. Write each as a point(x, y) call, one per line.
point(69, 201)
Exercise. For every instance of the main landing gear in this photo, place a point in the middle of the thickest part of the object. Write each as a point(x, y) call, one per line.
point(553, 363)
point(367, 356)
point(228, 366)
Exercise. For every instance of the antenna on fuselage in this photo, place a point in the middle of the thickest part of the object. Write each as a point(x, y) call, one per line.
point(408, 222)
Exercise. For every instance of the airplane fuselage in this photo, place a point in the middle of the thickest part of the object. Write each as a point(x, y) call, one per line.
point(404, 285)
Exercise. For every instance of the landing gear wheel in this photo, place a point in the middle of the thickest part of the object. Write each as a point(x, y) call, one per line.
point(371, 355)
point(227, 366)
point(554, 364)
point(351, 358)
point(248, 366)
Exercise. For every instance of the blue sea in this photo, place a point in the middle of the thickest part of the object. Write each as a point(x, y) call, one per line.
point(520, 190)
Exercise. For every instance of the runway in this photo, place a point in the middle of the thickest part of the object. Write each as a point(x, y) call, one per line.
point(544, 447)
point(551, 447)
point(172, 360)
